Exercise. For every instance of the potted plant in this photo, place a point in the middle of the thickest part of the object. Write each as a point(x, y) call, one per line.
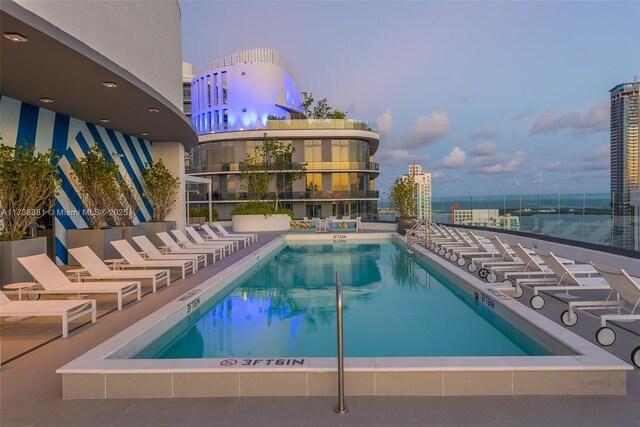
point(272, 163)
point(161, 190)
point(402, 199)
point(28, 186)
point(100, 192)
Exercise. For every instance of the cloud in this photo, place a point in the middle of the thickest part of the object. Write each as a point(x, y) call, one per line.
point(596, 120)
point(484, 133)
point(525, 114)
point(455, 159)
point(385, 124)
point(401, 157)
point(428, 129)
point(441, 177)
point(498, 164)
point(599, 159)
point(484, 149)
point(554, 167)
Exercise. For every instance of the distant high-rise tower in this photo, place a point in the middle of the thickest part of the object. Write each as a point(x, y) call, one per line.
point(423, 192)
point(624, 163)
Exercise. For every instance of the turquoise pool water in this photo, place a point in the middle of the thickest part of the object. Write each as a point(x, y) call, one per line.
point(393, 307)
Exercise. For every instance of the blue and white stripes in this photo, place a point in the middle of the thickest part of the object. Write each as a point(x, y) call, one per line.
point(70, 139)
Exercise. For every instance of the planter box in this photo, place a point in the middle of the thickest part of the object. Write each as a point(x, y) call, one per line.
point(257, 223)
point(11, 271)
point(151, 228)
point(405, 223)
point(51, 242)
point(98, 240)
point(129, 232)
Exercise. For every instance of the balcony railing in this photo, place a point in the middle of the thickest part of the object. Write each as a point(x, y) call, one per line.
point(321, 124)
point(311, 166)
point(291, 195)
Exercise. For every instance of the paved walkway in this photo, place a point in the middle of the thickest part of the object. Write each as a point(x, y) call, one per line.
point(30, 392)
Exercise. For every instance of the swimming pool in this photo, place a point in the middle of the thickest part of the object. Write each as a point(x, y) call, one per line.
point(551, 360)
point(393, 307)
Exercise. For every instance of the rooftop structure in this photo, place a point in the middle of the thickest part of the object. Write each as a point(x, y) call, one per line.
point(253, 92)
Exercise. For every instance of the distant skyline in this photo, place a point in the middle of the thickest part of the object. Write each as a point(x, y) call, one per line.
point(490, 97)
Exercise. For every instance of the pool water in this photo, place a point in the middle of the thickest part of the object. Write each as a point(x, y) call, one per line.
point(393, 307)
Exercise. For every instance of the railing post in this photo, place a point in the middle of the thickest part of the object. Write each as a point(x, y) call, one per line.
point(341, 408)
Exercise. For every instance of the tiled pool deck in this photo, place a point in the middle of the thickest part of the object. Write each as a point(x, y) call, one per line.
point(31, 393)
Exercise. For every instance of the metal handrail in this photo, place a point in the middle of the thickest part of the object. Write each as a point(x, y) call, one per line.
point(341, 408)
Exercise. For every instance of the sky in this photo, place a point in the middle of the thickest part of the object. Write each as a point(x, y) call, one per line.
point(503, 97)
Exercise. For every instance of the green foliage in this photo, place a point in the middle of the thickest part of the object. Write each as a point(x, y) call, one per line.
point(272, 163)
point(254, 177)
point(402, 195)
point(100, 187)
point(161, 189)
point(28, 186)
point(203, 212)
point(259, 208)
point(272, 117)
point(321, 109)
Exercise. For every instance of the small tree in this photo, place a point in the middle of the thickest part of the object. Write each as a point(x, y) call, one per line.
point(402, 195)
point(321, 109)
point(99, 187)
point(129, 205)
point(254, 177)
point(161, 189)
point(279, 165)
point(28, 186)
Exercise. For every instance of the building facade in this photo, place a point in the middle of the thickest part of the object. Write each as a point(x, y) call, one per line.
point(125, 95)
point(625, 177)
point(423, 191)
point(486, 218)
point(252, 93)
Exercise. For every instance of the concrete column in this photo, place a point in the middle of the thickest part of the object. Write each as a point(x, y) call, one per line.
point(172, 155)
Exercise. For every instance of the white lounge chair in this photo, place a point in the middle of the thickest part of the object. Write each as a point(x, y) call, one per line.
point(628, 288)
point(225, 233)
point(187, 244)
point(134, 260)
point(98, 270)
point(67, 309)
point(566, 279)
point(174, 248)
point(53, 281)
point(197, 238)
point(211, 235)
point(151, 252)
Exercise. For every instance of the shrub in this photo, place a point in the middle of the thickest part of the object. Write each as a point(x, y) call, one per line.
point(259, 208)
point(161, 189)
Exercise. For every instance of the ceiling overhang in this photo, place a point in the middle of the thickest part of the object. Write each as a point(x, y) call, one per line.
point(53, 64)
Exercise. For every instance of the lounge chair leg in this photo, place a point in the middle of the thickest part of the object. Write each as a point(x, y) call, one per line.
point(65, 325)
point(120, 300)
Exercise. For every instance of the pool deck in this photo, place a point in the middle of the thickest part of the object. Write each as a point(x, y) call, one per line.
point(31, 393)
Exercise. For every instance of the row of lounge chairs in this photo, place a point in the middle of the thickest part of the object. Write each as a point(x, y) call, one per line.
point(543, 271)
point(148, 264)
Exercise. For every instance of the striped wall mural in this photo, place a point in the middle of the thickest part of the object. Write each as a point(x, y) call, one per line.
point(70, 139)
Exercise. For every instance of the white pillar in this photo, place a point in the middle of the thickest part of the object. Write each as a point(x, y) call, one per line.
point(172, 155)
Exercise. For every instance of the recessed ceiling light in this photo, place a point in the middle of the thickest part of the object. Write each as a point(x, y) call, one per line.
point(46, 100)
point(109, 84)
point(144, 133)
point(15, 37)
point(105, 120)
point(153, 110)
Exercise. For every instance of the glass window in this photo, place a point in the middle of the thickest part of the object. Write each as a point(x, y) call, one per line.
point(225, 118)
point(216, 120)
point(313, 151)
point(209, 92)
point(314, 182)
point(224, 87)
point(216, 90)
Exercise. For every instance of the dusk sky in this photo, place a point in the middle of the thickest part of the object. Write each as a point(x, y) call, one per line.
point(490, 97)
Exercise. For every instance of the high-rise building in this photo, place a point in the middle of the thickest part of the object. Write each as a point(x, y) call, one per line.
point(625, 179)
point(188, 73)
point(423, 191)
point(249, 93)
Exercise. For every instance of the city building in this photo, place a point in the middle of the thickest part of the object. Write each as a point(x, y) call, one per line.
point(72, 79)
point(423, 191)
point(485, 218)
point(625, 179)
point(188, 73)
point(249, 93)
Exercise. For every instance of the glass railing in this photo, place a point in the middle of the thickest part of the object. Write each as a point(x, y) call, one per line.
point(585, 217)
point(291, 195)
point(321, 124)
point(311, 166)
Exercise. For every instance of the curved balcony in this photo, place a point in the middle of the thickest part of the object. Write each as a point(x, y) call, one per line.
point(311, 167)
point(292, 195)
